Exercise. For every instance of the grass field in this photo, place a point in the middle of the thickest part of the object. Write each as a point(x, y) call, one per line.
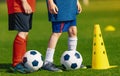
point(98, 12)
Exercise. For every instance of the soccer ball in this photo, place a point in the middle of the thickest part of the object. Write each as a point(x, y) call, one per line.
point(32, 60)
point(71, 60)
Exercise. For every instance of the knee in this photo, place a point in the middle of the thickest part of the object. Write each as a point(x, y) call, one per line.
point(23, 34)
point(72, 32)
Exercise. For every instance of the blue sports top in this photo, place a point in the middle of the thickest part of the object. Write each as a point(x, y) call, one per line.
point(67, 10)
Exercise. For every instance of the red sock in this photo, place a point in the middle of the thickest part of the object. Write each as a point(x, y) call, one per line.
point(19, 49)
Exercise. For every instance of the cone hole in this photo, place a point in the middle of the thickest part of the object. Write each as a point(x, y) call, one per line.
point(94, 44)
point(99, 35)
point(103, 52)
point(101, 43)
point(94, 52)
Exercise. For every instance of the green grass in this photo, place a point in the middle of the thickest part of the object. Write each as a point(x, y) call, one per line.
point(98, 12)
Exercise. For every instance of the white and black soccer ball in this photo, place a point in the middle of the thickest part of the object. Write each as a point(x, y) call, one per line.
point(32, 60)
point(71, 60)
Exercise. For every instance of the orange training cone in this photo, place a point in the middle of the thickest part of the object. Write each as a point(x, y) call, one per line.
point(99, 55)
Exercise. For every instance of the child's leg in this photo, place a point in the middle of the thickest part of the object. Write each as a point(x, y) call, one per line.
point(51, 47)
point(72, 40)
point(48, 64)
point(19, 47)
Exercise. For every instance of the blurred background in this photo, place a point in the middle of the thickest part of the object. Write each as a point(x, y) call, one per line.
point(106, 13)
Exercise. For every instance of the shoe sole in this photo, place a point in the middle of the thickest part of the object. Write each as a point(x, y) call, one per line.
point(16, 70)
point(58, 71)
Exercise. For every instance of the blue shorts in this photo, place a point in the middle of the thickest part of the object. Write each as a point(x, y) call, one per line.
point(20, 21)
point(62, 26)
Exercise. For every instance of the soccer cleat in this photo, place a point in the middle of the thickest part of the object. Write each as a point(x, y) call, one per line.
point(19, 68)
point(83, 67)
point(51, 67)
